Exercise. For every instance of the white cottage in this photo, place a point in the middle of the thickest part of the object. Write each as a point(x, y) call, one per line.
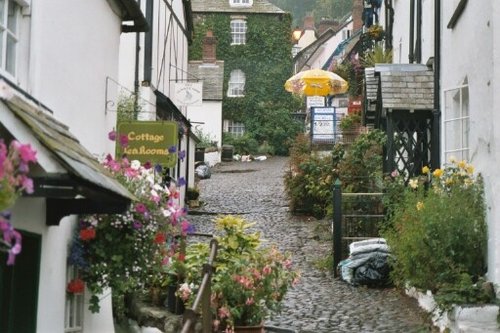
point(466, 46)
point(151, 65)
point(55, 61)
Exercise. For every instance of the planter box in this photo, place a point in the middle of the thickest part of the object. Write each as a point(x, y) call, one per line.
point(463, 318)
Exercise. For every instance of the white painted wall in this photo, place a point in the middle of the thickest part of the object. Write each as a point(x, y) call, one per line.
point(210, 113)
point(66, 51)
point(308, 37)
point(75, 52)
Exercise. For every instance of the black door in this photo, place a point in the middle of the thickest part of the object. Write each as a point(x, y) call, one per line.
point(19, 287)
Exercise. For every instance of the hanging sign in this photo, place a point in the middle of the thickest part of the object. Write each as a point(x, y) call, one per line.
point(188, 93)
point(149, 141)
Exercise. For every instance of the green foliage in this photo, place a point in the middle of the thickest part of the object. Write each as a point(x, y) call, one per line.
point(206, 139)
point(243, 144)
point(352, 71)
point(267, 49)
point(127, 108)
point(318, 8)
point(437, 233)
point(251, 280)
point(361, 168)
point(377, 56)
point(350, 121)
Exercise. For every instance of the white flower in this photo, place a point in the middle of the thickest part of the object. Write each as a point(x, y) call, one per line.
point(135, 164)
point(413, 183)
point(166, 212)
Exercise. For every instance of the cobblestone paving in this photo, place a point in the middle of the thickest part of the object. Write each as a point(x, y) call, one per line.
point(320, 303)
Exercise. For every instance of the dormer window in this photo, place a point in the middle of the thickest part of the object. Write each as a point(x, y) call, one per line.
point(241, 3)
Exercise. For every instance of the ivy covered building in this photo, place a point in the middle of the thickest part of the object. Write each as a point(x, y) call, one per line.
point(254, 41)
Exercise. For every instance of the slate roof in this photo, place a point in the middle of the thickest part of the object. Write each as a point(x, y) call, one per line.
point(219, 6)
point(406, 86)
point(212, 76)
point(65, 147)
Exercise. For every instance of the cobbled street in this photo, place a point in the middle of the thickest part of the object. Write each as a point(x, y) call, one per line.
point(320, 303)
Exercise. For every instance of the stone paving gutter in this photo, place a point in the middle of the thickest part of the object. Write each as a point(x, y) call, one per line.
point(320, 303)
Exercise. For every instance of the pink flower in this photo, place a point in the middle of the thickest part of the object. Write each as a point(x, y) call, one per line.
point(224, 312)
point(395, 173)
point(26, 184)
point(287, 264)
point(140, 208)
point(249, 301)
point(266, 270)
point(26, 153)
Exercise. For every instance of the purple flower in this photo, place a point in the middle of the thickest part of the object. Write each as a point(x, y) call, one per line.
point(187, 227)
point(26, 153)
point(172, 149)
point(123, 140)
point(12, 238)
point(182, 155)
point(158, 168)
point(137, 225)
point(147, 165)
point(112, 135)
point(181, 182)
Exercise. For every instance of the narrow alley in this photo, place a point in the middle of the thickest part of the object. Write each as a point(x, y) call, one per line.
point(320, 303)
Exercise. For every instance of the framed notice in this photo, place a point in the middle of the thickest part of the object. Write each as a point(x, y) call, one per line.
point(153, 141)
point(325, 124)
point(188, 93)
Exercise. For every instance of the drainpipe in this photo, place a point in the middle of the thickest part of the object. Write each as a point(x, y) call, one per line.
point(418, 45)
point(389, 22)
point(411, 56)
point(436, 112)
point(136, 74)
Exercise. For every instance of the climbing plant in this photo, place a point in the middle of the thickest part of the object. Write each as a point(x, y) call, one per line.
point(266, 60)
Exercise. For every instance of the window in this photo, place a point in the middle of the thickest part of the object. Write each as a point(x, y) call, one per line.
point(238, 32)
point(73, 318)
point(240, 3)
point(236, 84)
point(233, 127)
point(346, 34)
point(9, 12)
point(456, 123)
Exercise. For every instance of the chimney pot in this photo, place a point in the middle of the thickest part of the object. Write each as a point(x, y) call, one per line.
point(209, 47)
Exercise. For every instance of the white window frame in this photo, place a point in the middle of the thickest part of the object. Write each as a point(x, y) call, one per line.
point(233, 127)
point(241, 3)
point(238, 31)
point(10, 34)
point(73, 312)
point(236, 84)
point(457, 115)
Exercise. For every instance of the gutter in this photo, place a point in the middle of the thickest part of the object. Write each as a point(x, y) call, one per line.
point(130, 10)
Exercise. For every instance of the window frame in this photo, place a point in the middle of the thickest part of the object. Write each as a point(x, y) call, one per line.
point(234, 128)
point(238, 35)
point(241, 3)
point(236, 83)
point(462, 118)
point(74, 305)
point(7, 32)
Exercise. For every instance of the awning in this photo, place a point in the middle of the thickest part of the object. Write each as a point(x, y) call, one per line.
point(69, 176)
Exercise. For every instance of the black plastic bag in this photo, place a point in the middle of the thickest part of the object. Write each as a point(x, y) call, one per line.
point(374, 272)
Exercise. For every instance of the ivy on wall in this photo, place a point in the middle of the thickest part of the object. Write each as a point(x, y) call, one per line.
point(266, 60)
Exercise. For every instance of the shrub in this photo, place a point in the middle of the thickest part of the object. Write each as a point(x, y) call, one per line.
point(243, 145)
point(437, 231)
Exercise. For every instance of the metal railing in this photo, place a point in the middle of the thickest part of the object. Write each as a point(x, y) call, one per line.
point(201, 304)
point(347, 225)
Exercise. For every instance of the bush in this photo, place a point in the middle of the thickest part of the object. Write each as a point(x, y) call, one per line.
point(243, 144)
point(437, 231)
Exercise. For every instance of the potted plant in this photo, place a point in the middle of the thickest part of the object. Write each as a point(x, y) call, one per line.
point(349, 126)
point(250, 281)
point(192, 195)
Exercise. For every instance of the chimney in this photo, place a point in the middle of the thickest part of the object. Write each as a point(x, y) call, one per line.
point(357, 15)
point(208, 48)
point(325, 24)
point(309, 23)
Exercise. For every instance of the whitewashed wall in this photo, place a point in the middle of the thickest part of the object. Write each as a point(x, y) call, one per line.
point(326, 50)
point(64, 62)
point(210, 113)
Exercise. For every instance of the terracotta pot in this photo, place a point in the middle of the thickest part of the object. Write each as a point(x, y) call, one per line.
point(249, 329)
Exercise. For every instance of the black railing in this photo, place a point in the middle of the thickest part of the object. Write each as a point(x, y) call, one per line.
point(201, 304)
point(356, 216)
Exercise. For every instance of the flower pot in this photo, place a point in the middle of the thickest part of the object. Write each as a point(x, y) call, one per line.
point(249, 329)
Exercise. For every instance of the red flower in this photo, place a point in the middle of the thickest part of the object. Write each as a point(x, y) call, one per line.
point(160, 238)
point(87, 234)
point(75, 286)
